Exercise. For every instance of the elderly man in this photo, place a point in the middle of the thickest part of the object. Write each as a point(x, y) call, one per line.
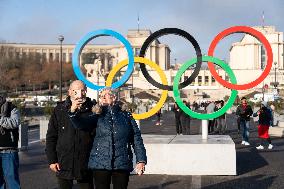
point(9, 136)
point(68, 145)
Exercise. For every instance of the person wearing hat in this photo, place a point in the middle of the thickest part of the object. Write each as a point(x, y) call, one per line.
point(9, 136)
point(244, 112)
point(264, 121)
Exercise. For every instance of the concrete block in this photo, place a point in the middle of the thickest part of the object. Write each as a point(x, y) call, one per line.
point(23, 137)
point(281, 124)
point(276, 131)
point(43, 126)
point(190, 155)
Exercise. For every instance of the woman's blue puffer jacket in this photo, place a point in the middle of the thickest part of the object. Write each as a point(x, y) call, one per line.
point(116, 132)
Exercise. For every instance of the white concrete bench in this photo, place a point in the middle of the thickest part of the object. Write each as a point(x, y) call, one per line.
point(277, 131)
point(190, 155)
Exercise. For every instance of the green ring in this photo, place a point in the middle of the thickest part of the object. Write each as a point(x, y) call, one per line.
point(196, 115)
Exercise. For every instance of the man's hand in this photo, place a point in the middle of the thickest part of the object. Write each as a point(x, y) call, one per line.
point(140, 168)
point(54, 167)
point(76, 104)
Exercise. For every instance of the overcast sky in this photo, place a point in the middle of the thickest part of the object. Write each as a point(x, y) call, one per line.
point(41, 21)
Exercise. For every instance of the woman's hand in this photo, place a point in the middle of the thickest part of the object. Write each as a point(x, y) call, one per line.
point(97, 109)
point(140, 168)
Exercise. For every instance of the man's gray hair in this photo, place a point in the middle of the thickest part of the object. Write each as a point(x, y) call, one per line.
point(112, 91)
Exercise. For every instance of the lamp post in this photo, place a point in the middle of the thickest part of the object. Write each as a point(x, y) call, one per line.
point(60, 38)
point(275, 84)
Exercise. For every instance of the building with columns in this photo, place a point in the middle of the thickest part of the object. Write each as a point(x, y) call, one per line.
point(247, 60)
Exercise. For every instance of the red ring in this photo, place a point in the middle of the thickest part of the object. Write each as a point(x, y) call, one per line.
point(252, 32)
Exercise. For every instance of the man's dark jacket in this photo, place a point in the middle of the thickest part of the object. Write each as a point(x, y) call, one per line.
point(69, 144)
point(244, 112)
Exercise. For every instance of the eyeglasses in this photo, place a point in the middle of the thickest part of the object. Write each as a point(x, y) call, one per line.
point(107, 94)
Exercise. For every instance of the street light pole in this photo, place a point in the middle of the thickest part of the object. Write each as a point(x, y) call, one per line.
point(275, 85)
point(60, 38)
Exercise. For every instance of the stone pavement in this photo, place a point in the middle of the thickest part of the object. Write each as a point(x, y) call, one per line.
point(256, 169)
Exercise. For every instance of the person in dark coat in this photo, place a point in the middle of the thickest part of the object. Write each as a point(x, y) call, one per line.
point(221, 125)
point(185, 120)
point(111, 157)
point(210, 108)
point(264, 122)
point(68, 145)
point(159, 115)
point(244, 112)
point(177, 112)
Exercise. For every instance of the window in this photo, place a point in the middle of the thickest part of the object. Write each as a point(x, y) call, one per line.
point(24, 55)
point(206, 79)
point(17, 55)
point(199, 80)
point(57, 57)
point(63, 57)
point(50, 56)
point(43, 56)
point(263, 57)
point(213, 79)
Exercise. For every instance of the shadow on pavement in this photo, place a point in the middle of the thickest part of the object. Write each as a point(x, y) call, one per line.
point(158, 187)
point(249, 161)
point(252, 182)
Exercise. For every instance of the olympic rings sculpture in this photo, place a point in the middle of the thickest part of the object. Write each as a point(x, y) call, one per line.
point(176, 86)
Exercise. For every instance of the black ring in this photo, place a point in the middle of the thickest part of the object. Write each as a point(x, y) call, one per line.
point(181, 33)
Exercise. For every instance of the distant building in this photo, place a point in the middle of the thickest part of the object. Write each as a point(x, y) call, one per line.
point(247, 60)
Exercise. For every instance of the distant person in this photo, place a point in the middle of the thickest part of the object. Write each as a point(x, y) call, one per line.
point(159, 115)
point(272, 110)
point(221, 120)
point(244, 112)
point(210, 109)
point(9, 136)
point(185, 120)
point(264, 123)
point(177, 112)
point(194, 106)
point(68, 145)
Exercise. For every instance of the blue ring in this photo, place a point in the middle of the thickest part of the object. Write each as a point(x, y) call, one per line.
point(81, 44)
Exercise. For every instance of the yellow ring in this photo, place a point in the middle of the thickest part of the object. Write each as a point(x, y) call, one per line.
point(161, 74)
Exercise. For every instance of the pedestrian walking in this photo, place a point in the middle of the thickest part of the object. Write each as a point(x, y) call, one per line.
point(244, 112)
point(264, 122)
point(159, 115)
point(185, 120)
point(221, 120)
point(210, 109)
point(177, 112)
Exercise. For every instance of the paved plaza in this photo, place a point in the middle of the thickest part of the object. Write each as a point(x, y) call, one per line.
point(255, 169)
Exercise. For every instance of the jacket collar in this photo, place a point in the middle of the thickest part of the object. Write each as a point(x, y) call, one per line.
point(108, 109)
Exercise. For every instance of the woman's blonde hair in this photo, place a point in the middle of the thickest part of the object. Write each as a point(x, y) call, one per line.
point(111, 91)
